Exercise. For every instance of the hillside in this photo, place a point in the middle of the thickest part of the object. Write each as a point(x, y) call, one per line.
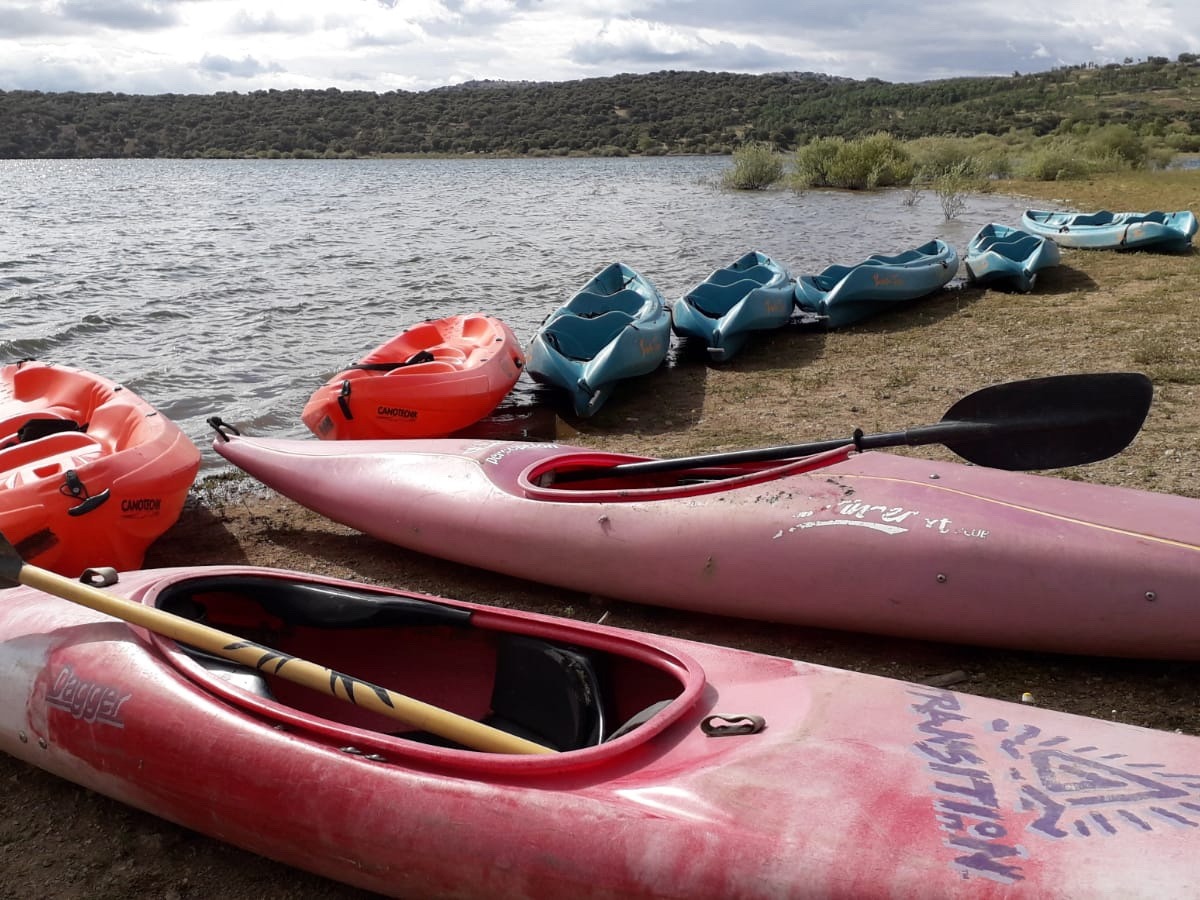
point(664, 112)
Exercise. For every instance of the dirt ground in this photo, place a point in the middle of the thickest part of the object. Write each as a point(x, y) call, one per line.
point(1097, 312)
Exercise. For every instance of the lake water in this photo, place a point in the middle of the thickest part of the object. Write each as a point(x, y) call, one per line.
point(235, 288)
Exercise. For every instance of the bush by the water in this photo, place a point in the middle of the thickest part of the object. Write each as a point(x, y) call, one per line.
point(951, 166)
point(861, 164)
point(755, 167)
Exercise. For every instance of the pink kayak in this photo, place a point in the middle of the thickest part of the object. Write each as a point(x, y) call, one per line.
point(857, 541)
point(683, 770)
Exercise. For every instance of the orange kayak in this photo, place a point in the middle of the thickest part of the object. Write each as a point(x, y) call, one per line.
point(430, 380)
point(90, 473)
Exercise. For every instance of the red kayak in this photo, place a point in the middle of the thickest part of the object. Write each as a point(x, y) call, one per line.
point(683, 770)
point(430, 380)
point(869, 541)
point(90, 473)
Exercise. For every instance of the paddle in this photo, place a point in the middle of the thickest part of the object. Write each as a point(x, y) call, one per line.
point(461, 730)
point(1040, 423)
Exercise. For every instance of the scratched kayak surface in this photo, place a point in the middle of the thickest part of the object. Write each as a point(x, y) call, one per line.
point(746, 776)
point(872, 542)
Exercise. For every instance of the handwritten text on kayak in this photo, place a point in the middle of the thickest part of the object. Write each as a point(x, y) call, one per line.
point(886, 519)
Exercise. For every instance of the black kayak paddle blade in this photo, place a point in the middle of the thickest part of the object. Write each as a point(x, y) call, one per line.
point(1048, 423)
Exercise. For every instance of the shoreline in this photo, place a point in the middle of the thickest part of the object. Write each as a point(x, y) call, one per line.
point(1099, 312)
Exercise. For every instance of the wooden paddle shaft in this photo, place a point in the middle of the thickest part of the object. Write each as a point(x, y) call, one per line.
point(441, 722)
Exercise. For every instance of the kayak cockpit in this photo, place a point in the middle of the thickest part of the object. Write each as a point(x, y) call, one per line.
point(592, 476)
point(573, 689)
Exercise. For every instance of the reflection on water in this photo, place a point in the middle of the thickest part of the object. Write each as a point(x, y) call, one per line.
point(237, 287)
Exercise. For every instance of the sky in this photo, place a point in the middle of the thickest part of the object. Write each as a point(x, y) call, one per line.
point(204, 46)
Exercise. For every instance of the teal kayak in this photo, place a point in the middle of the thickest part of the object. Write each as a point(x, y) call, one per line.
point(1006, 257)
point(1106, 230)
point(753, 293)
point(617, 326)
point(842, 295)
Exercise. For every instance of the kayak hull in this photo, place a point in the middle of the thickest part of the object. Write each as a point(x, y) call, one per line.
point(928, 792)
point(430, 380)
point(1104, 230)
point(753, 293)
point(100, 490)
point(616, 327)
point(1008, 258)
point(843, 295)
point(868, 542)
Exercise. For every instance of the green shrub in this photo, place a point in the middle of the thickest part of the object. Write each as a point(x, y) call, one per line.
point(755, 167)
point(935, 155)
point(863, 164)
point(1118, 141)
point(1051, 163)
point(813, 161)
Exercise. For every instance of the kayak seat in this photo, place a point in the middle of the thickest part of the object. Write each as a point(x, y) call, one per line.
point(547, 693)
point(47, 457)
point(579, 338)
point(543, 692)
point(716, 300)
point(588, 305)
point(28, 426)
point(760, 275)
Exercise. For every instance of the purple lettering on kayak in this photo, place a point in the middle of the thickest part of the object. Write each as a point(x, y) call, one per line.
point(966, 805)
point(396, 412)
point(89, 701)
point(1059, 788)
point(1065, 782)
point(987, 857)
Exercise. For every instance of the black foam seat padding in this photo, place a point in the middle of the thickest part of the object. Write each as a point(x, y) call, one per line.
point(548, 693)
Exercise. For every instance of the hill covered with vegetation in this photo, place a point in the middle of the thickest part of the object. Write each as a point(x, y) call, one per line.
point(664, 112)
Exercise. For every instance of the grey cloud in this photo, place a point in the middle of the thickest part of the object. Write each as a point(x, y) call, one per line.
point(915, 41)
point(367, 39)
point(774, 16)
point(130, 15)
point(21, 21)
point(468, 22)
point(59, 76)
point(642, 53)
point(247, 67)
